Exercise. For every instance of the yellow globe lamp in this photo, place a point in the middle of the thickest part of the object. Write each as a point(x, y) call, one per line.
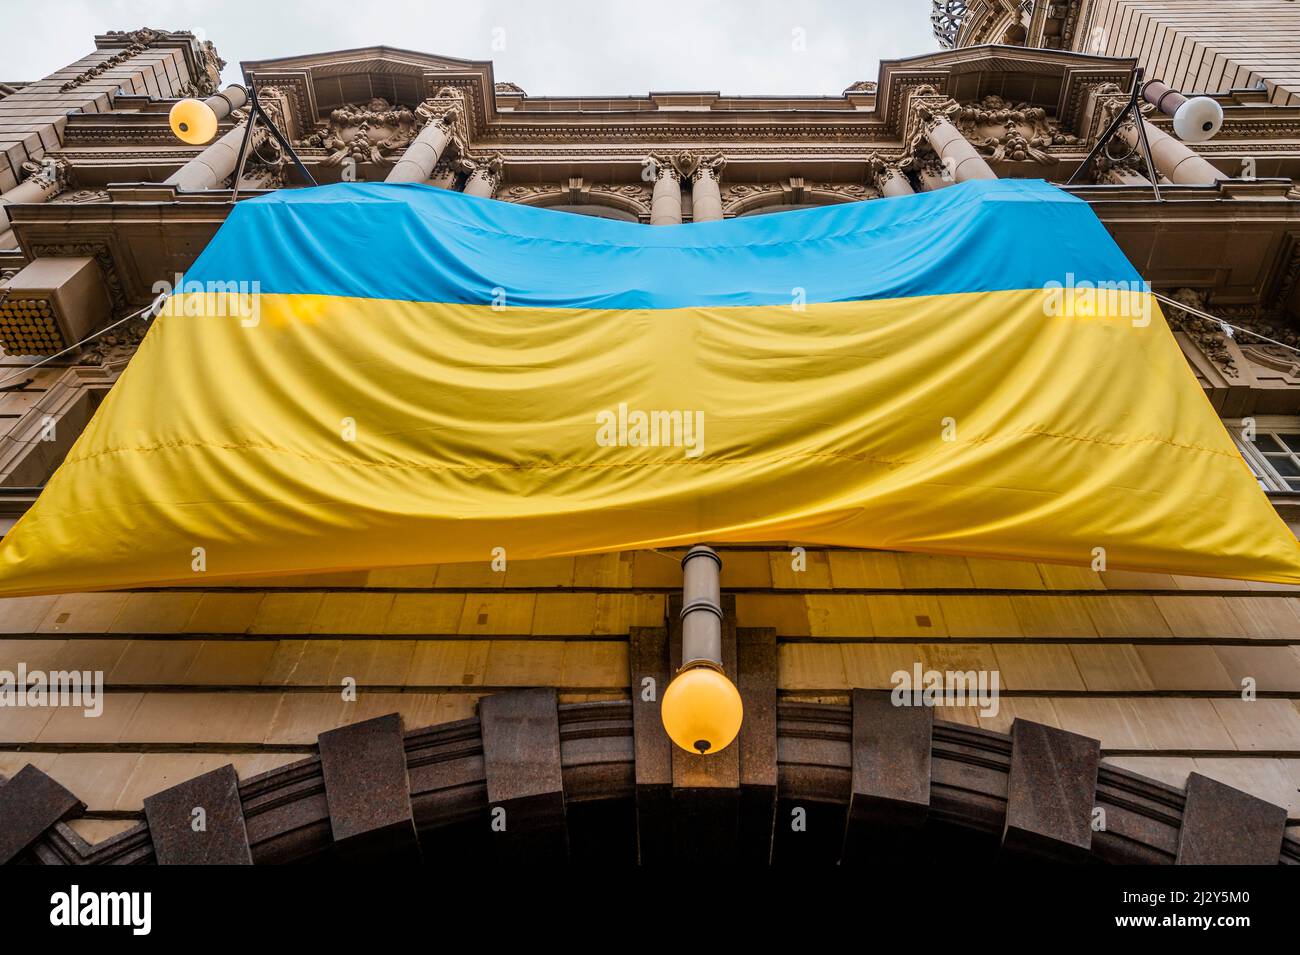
point(701, 709)
point(193, 121)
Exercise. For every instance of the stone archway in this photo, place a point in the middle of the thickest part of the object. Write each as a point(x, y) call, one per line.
point(587, 781)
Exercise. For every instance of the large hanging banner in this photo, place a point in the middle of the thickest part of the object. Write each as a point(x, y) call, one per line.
point(368, 375)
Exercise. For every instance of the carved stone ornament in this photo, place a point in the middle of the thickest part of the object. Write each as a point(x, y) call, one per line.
point(659, 165)
point(1006, 131)
point(1000, 131)
point(137, 42)
point(1208, 336)
point(1109, 171)
point(1274, 326)
point(853, 191)
point(884, 168)
point(210, 66)
point(1110, 100)
point(81, 196)
point(686, 166)
point(50, 171)
point(366, 132)
point(115, 347)
point(741, 191)
point(629, 190)
point(489, 167)
point(711, 165)
point(532, 190)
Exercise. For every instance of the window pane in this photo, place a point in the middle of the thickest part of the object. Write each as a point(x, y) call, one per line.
point(1284, 465)
point(1266, 442)
point(1292, 441)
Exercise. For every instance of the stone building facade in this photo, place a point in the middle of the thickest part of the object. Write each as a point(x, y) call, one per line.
point(1134, 682)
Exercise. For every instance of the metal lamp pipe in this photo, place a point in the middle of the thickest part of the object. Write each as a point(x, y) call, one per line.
point(1163, 97)
point(701, 608)
point(224, 103)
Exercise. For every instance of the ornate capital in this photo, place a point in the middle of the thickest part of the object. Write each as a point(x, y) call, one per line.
point(661, 166)
point(686, 166)
point(710, 166)
point(49, 172)
point(487, 167)
point(883, 169)
point(928, 106)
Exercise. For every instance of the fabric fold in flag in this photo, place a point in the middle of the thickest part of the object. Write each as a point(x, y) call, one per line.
point(361, 376)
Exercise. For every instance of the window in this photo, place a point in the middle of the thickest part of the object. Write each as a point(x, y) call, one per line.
point(1274, 452)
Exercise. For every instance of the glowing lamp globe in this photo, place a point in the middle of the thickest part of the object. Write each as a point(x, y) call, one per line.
point(1198, 119)
point(193, 121)
point(702, 710)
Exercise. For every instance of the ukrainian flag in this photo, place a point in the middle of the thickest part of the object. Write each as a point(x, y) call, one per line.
point(370, 375)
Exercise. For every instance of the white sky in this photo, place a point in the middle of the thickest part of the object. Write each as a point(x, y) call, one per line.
point(549, 47)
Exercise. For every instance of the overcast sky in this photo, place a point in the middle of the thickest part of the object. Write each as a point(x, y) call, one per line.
point(549, 47)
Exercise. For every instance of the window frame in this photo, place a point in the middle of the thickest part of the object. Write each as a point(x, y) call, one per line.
point(1268, 476)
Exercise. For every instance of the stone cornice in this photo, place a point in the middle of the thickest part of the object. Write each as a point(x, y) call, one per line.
point(804, 118)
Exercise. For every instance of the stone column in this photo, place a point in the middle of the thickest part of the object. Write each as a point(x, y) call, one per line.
point(210, 168)
point(1172, 159)
point(483, 180)
point(666, 200)
point(417, 163)
point(706, 194)
point(47, 179)
point(955, 151)
point(889, 178)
